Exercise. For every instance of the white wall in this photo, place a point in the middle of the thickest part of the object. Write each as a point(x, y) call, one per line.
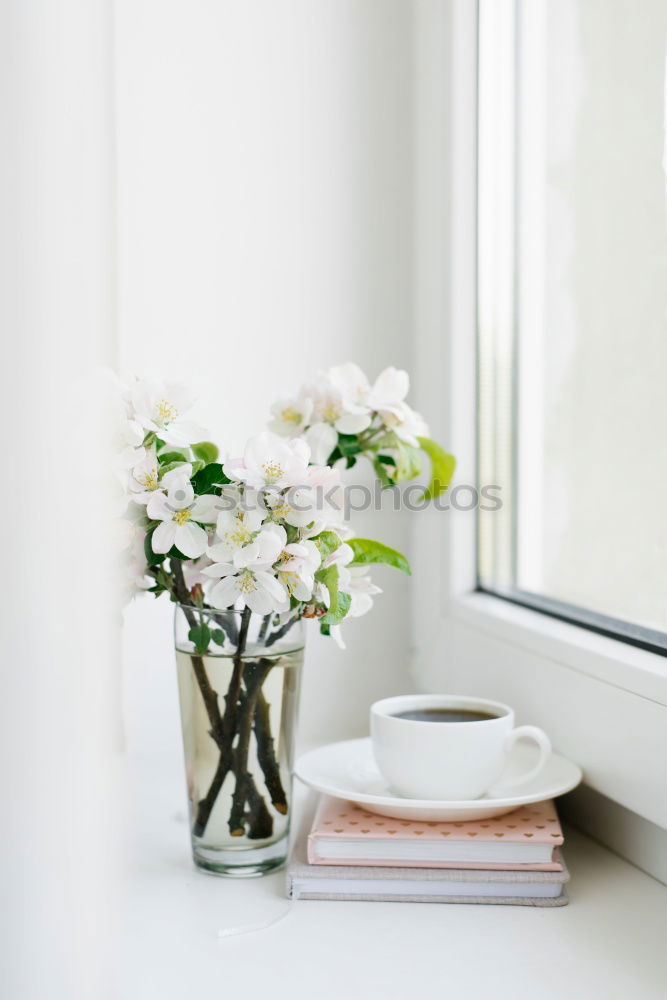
point(59, 839)
point(265, 207)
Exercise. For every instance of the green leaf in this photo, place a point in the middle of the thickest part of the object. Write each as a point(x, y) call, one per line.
point(207, 451)
point(209, 479)
point(200, 635)
point(349, 444)
point(381, 473)
point(409, 463)
point(442, 468)
point(174, 553)
point(218, 636)
point(329, 577)
point(292, 533)
point(171, 465)
point(386, 459)
point(175, 457)
point(325, 629)
point(327, 542)
point(334, 617)
point(152, 558)
point(367, 552)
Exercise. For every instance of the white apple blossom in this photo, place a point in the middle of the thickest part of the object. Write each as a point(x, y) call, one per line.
point(314, 506)
point(299, 561)
point(160, 407)
point(263, 550)
point(134, 576)
point(180, 511)
point(387, 398)
point(291, 416)
point(257, 589)
point(193, 572)
point(340, 557)
point(361, 589)
point(145, 477)
point(321, 439)
point(310, 507)
point(339, 398)
point(352, 385)
point(270, 461)
point(129, 444)
point(234, 529)
point(407, 424)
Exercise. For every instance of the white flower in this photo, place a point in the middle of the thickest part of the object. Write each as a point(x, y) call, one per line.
point(264, 550)
point(340, 557)
point(338, 400)
point(361, 589)
point(145, 477)
point(159, 407)
point(352, 384)
point(257, 589)
point(322, 439)
point(193, 572)
point(318, 502)
point(353, 580)
point(291, 416)
point(235, 528)
point(406, 424)
point(387, 397)
point(134, 568)
point(337, 636)
point(179, 510)
point(129, 444)
point(298, 564)
point(389, 389)
point(269, 460)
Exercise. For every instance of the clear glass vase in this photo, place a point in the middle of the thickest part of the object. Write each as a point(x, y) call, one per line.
point(238, 678)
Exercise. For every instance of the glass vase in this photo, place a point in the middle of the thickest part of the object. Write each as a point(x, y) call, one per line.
point(238, 678)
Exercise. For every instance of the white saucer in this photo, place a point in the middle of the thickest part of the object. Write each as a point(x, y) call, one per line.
point(348, 771)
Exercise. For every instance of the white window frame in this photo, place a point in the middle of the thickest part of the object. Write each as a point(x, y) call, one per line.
point(603, 701)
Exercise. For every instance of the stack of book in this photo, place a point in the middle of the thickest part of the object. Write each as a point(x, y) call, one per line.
point(345, 852)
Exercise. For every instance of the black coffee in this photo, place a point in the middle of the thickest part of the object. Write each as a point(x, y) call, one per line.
point(444, 715)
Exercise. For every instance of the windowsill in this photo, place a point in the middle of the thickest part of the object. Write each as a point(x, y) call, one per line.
point(612, 661)
point(173, 914)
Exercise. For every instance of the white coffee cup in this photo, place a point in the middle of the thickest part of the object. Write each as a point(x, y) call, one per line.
point(447, 760)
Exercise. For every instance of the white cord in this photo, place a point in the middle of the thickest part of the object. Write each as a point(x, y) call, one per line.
point(226, 932)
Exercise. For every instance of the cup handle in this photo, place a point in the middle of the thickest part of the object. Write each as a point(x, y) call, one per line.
point(543, 742)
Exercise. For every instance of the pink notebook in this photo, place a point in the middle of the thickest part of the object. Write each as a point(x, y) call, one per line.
point(345, 834)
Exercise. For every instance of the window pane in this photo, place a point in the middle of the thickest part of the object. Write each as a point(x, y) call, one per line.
point(573, 302)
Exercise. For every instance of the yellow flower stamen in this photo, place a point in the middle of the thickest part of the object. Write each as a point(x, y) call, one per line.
point(273, 471)
point(290, 415)
point(247, 583)
point(165, 410)
point(181, 516)
point(238, 537)
point(291, 581)
point(281, 510)
point(149, 481)
point(331, 413)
